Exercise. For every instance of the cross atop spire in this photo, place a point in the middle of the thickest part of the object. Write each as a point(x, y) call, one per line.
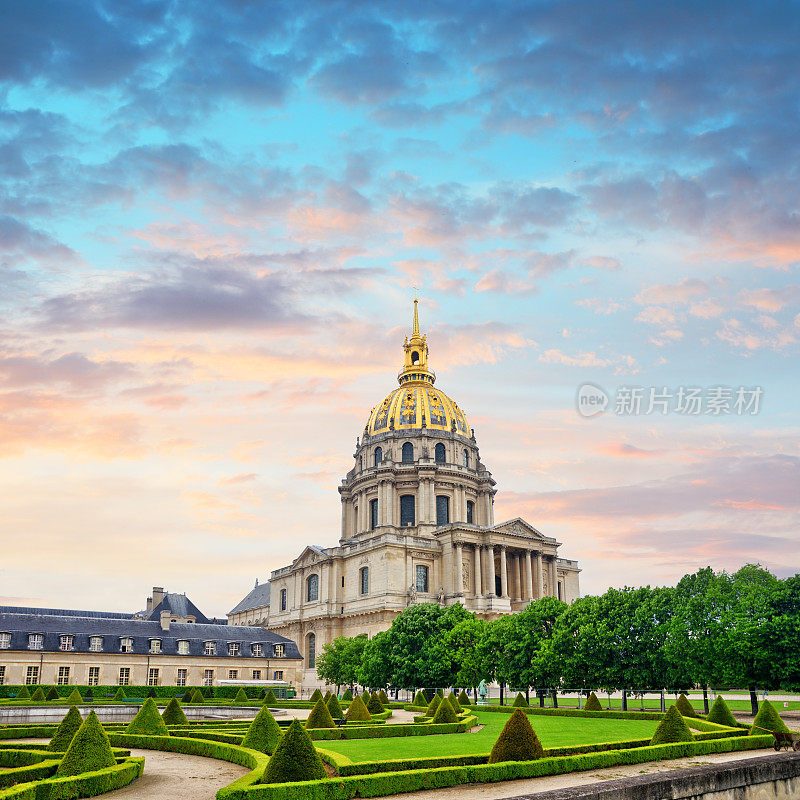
point(415, 326)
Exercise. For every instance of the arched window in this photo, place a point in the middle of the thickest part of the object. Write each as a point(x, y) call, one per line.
point(439, 453)
point(364, 580)
point(283, 599)
point(311, 651)
point(466, 457)
point(360, 463)
point(373, 514)
point(407, 515)
point(312, 588)
point(408, 453)
point(378, 456)
point(470, 511)
point(415, 358)
point(442, 509)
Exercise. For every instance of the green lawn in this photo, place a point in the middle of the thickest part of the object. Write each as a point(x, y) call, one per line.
point(654, 703)
point(552, 732)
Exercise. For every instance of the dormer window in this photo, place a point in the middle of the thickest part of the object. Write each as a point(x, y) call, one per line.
point(209, 648)
point(279, 650)
point(65, 642)
point(155, 645)
point(257, 650)
point(5, 641)
point(95, 644)
point(233, 648)
point(35, 641)
point(126, 645)
point(183, 648)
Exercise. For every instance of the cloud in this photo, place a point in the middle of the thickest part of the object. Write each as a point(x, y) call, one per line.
point(74, 370)
point(502, 282)
point(673, 294)
point(19, 240)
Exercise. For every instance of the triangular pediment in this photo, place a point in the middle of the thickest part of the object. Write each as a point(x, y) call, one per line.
point(519, 527)
point(310, 555)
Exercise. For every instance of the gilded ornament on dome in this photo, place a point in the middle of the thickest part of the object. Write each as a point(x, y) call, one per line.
point(408, 411)
point(437, 409)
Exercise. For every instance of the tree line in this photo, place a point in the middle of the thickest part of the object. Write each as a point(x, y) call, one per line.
point(714, 629)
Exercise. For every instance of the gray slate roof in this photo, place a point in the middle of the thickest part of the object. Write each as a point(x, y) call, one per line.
point(180, 605)
point(63, 612)
point(21, 623)
point(258, 597)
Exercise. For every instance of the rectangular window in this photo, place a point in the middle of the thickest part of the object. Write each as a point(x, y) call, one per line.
point(559, 591)
point(470, 511)
point(279, 651)
point(283, 599)
point(277, 675)
point(183, 648)
point(96, 644)
point(208, 677)
point(210, 649)
point(126, 646)
point(2, 674)
point(32, 676)
point(421, 578)
point(124, 676)
point(155, 645)
point(63, 676)
point(94, 676)
point(152, 676)
point(233, 674)
point(364, 580)
point(233, 648)
point(256, 674)
point(65, 642)
point(373, 514)
point(407, 505)
point(35, 641)
point(5, 641)
point(181, 679)
point(442, 509)
point(257, 649)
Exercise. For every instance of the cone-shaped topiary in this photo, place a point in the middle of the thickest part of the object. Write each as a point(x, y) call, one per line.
point(88, 751)
point(440, 692)
point(88, 697)
point(120, 694)
point(74, 697)
point(357, 711)
point(197, 696)
point(241, 696)
point(326, 696)
point(263, 734)
point(517, 741)
point(685, 707)
point(173, 713)
point(186, 697)
point(66, 729)
point(374, 706)
point(454, 702)
point(767, 719)
point(520, 701)
point(445, 713)
point(383, 697)
point(347, 696)
point(420, 699)
point(433, 705)
point(672, 728)
point(295, 758)
point(148, 721)
point(24, 694)
point(38, 695)
point(592, 703)
point(721, 714)
point(52, 693)
point(320, 717)
point(334, 707)
point(463, 698)
point(269, 697)
point(207, 691)
point(317, 695)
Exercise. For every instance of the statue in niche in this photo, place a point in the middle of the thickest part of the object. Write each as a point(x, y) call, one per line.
point(412, 594)
point(465, 582)
point(440, 596)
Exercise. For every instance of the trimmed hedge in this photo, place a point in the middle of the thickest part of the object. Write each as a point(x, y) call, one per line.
point(721, 713)
point(89, 750)
point(520, 701)
point(420, 700)
point(198, 697)
point(685, 708)
point(433, 705)
point(454, 702)
point(148, 721)
point(269, 697)
point(383, 697)
point(335, 707)
point(315, 695)
point(173, 713)
point(463, 698)
point(295, 758)
point(374, 706)
point(444, 714)
point(357, 711)
point(52, 694)
point(347, 696)
point(241, 696)
point(320, 717)
point(517, 741)
point(66, 730)
point(74, 698)
point(767, 719)
point(263, 734)
point(672, 728)
point(38, 695)
point(592, 703)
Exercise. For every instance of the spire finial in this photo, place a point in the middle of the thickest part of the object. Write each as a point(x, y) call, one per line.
point(415, 327)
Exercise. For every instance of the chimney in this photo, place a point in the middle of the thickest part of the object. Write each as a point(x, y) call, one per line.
point(158, 596)
point(149, 604)
point(165, 616)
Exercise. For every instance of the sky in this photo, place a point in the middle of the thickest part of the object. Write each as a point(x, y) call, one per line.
point(213, 217)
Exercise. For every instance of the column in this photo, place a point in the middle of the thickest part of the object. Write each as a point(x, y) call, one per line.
point(490, 581)
point(503, 573)
point(520, 577)
point(528, 577)
point(345, 534)
point(539, 575)
point(553, 577)
point(476, 570)
point(447, 569)
point(459, 569)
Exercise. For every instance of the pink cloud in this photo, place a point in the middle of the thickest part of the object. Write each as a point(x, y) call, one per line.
point(673, 294)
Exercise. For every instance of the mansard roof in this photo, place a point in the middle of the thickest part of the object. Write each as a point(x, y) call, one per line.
point(179, 605)
point(258, 597)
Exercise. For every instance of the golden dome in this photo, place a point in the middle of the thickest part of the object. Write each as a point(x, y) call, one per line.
point(416, 404)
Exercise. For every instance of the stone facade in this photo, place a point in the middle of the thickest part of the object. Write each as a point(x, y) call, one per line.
point(417, 526)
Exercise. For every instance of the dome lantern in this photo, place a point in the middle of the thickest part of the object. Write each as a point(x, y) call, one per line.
point(416, 369)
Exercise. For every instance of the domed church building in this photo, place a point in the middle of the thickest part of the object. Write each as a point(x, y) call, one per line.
point(417, 527)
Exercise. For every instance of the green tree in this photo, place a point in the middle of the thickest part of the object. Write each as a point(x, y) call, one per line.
point(340, 660)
